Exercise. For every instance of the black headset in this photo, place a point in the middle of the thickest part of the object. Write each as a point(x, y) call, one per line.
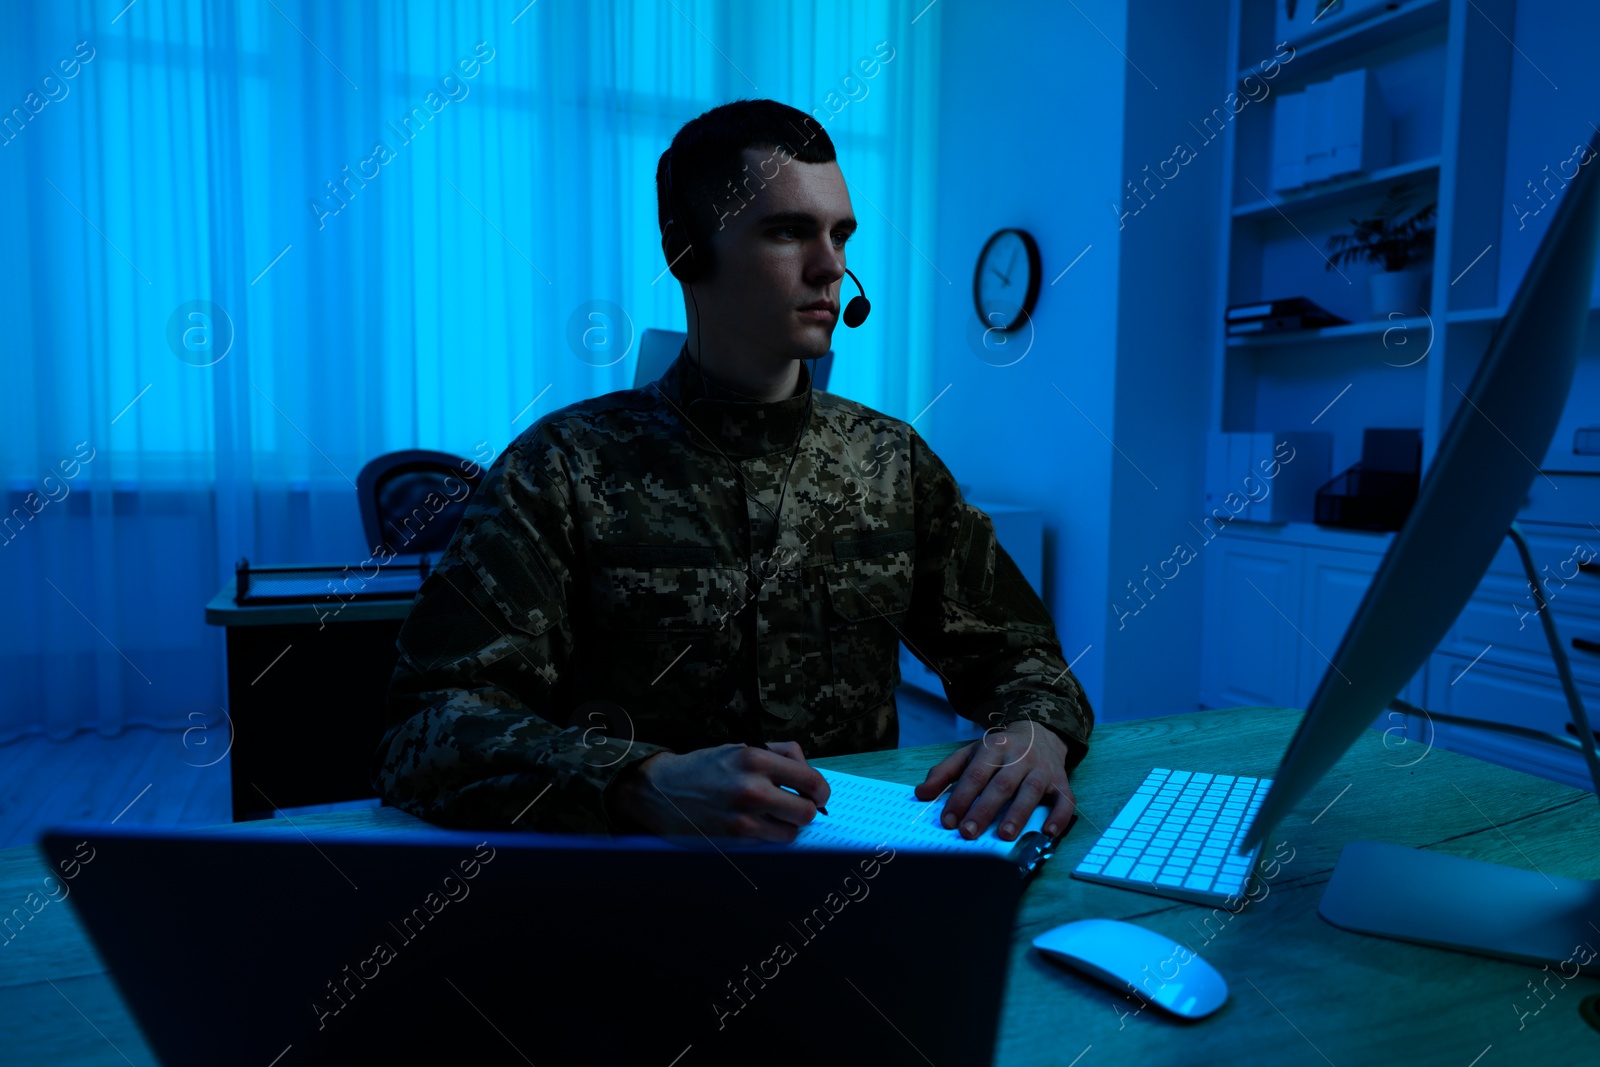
point(689, 264)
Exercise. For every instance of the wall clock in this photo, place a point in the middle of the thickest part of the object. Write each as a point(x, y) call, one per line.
point(1005, 284)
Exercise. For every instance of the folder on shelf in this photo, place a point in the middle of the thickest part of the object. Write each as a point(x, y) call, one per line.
point(1333, 129)
point(1282, 324)
point(1288, 142)
point(1291, 305)
point(1279, 316)
point(1358, 124)
point(1319, 145)
point(1270, 476)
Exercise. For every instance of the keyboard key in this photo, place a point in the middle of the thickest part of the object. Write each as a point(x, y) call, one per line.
point(1145, 872)
point(1197, 881)
point(1130, 812)
point(1089, 868)
point(1167, 879)
point(1118, 868)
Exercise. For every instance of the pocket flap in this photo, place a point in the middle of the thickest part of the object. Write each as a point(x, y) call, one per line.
point(615, 555)
point(870, 590)
point(513, 578)
point(875, 543)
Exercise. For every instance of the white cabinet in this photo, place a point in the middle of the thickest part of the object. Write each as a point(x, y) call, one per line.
point(1334, 583)
point(1248, 645)
point(1498, 693)
point(1279, 599)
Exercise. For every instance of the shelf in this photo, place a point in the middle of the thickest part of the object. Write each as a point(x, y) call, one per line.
point(1327, 333)
point(1362, 37)
point(1490, 316)
point(1311, 535)
point(1494, 314)
point(1335, 194)
point(1475, 315)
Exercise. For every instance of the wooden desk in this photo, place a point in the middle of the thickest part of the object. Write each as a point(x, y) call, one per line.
point(1303, 992)
point(307, 695)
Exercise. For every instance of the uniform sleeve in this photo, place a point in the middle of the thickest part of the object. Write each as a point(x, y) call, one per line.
point(976, 621)
point(481, 725)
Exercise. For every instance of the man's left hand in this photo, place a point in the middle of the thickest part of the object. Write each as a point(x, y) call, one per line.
point(1025, 761)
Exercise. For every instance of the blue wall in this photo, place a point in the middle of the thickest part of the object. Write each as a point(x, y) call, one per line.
point(1118, 341)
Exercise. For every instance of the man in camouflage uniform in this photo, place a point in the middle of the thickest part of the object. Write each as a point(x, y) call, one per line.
point(646, 581)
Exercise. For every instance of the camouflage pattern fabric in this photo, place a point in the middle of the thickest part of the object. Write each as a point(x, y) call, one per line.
point(611, 570)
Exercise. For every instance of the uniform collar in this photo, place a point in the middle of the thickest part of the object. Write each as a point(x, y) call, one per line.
point(723, 421)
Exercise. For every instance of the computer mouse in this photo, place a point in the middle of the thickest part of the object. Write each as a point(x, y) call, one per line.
point(1154, 967)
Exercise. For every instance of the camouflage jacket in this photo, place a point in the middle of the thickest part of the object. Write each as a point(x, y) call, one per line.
point(612, 554)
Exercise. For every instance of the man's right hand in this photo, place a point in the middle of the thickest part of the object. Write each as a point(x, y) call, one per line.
point(726, 791)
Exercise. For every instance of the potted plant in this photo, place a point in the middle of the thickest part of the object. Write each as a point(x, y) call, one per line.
point(1404, 245)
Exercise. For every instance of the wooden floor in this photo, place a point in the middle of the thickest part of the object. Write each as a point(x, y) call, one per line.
point(148, 777)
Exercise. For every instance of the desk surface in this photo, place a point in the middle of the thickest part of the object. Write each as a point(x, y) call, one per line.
point(1302, 991)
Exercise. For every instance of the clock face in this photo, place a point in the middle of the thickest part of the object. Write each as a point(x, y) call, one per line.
point(1006, 282)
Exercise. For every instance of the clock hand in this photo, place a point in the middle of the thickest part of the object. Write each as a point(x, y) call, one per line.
point(1002, 277)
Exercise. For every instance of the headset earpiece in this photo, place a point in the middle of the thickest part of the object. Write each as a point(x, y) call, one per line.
point(683, 258)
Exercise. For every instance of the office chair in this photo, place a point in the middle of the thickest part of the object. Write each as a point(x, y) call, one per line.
point(658, 348)
point(396, 510)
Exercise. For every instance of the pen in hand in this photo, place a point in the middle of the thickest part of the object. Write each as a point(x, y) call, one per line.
point(820, 809)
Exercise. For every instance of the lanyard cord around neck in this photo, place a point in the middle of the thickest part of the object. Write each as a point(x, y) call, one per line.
point(728, 684)
point(794, 452)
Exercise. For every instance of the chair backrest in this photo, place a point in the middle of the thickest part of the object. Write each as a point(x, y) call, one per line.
point(658, 348)
point(412, 501)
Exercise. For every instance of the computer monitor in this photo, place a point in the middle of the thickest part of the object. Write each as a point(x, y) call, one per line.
point(1471, 493)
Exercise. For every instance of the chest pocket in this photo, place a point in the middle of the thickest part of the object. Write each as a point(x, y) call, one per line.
point(869, 592)
point(662, 613)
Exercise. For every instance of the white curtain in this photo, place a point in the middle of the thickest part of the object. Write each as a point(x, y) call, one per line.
point(415, 296)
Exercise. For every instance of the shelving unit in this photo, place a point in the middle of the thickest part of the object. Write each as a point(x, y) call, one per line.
point(1337, 194)
point(1445, 68)
point(1338, 48)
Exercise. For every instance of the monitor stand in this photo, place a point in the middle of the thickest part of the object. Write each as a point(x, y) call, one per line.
point(1445, 901)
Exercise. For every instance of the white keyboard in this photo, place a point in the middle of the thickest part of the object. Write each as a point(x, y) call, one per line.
point(1176, 837)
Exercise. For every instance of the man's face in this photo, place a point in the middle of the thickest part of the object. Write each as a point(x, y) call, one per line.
point(781, 250)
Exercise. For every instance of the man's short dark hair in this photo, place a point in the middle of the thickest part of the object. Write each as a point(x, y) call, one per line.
point(709, 172)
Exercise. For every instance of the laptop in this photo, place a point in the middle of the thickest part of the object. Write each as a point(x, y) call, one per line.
point(278, 947)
